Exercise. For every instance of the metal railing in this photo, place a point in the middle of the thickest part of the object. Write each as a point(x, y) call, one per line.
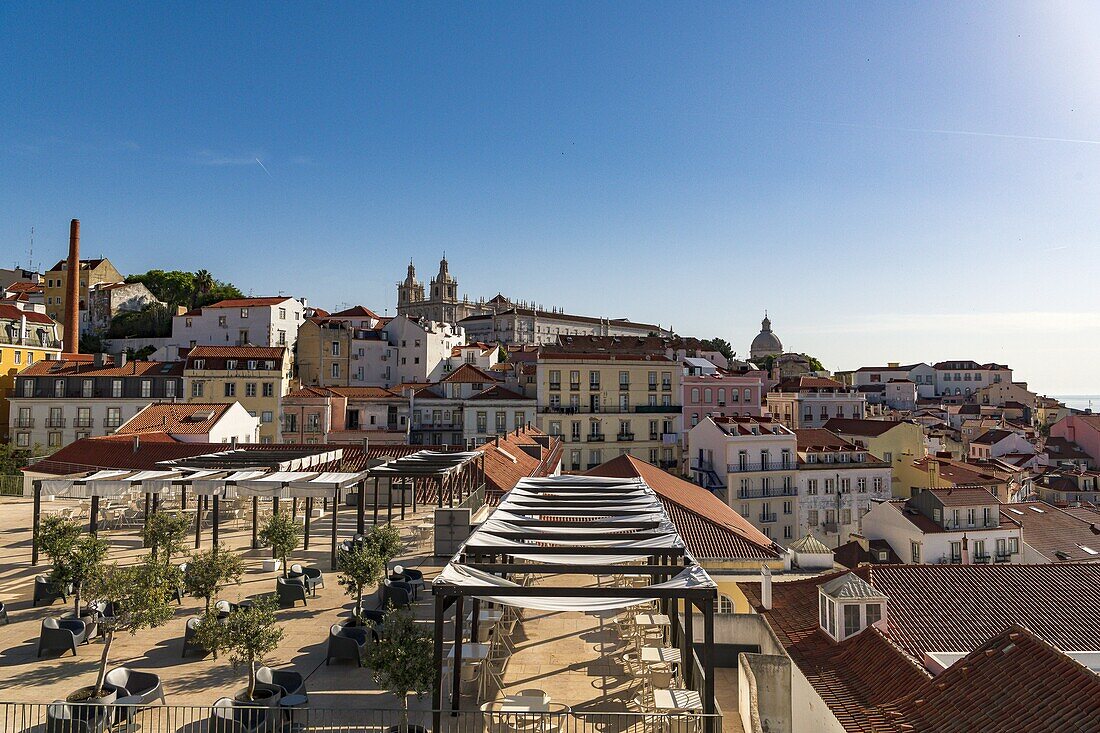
point(765, 493)
point(11, 485)
point(747, 467)
point(768, 518)
point(24, 422)
point(17, 717)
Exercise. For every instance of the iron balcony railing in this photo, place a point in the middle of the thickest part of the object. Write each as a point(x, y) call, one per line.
point(82, 422)
point(765, 493)
point(111, 422)
point(768, 518)
point(55, 422)
point(658, 408)
point(624, 437)
point(747, 467)
point(596, 437)
point(24, 422)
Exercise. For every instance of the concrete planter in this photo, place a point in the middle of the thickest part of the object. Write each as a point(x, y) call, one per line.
point(272, 565)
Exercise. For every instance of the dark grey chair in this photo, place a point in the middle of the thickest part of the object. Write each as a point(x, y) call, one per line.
point(189, 643)
point(348, 642)
point(414, 578)
point(61, 717)
point(290, 591)
point(62, 634)
point(3, 613)
point(229, 717)
point(47, 591)
point(311, 576)
point(224, 608)
point(145, 686)
point(397, 593)
point(291, 683)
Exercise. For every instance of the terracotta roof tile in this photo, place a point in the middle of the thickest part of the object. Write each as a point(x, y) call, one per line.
point(176, 418)
point(709, 527)
point(248, 302)
point(865, 428)
point(86, 367)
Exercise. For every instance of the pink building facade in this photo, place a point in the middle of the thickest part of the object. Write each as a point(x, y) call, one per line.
point(1084, 430)
point(717, 392)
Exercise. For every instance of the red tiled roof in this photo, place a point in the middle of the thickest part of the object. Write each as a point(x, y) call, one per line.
point(496, 392)
point(852, 554)
point(117, 451)
point(709, 527)
point(796, 384)
point(86, 367)
point(865, 428)
point(469, 374)
point(820, 439)
point(956, 608)
point(964, 496)
point(351, 393)
point(24, 287)
point(355, 311)
point(597, 356)
point(1057, 535)
point(9, 312)
point(1049, 691)
point(236, 352)
point(176, 418)
point(506, 461)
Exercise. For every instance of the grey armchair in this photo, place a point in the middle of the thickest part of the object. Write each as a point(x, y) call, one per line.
point(311, 576)
point(224, 608)
point(61, 717)
point(62, 634)
point(3, 613)
point(348, 642)
point(413, 577)
point(189, 643)
point(228, 717)
point(47, 591)
point(145, 686)
point(397, 593)
point(290, 591)
point(290, 682)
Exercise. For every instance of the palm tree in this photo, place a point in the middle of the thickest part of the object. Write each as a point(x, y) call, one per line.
point(204, 283)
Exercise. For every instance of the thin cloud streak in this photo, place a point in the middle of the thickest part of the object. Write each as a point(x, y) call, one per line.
point(1007, 322)
point(264, 167)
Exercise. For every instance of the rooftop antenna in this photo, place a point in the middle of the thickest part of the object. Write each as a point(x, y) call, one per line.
point(30, 252)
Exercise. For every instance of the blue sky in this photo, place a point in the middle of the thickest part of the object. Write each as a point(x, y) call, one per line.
point(892, 181)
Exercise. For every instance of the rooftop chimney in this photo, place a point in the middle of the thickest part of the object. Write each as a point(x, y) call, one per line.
point(137, 442)
point(766, 587)
point(71, 339)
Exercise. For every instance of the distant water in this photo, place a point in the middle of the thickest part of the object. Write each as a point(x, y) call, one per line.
point(1079, 401)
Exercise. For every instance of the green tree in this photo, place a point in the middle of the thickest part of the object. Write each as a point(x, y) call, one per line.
point(360, 568)
point(81, 566)
point(12, 459)
point(384, 540)
point(281, 532)
point(402, 661)
point(91, 343)
point(164, 535)
point(138, 598)
point(208, 571)
point(152, 321)
point(204, 284)
point(249, 635)
point(56, 536)
point(173, 287)
point(720, 345)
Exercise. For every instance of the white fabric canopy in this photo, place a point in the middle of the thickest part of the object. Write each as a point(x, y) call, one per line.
point(323, 485)
point(459, 575)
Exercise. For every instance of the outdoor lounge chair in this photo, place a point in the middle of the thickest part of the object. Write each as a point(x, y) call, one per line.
point(290, 591)
point(189, 643)
point(47, 591)
point(311, 576)
point(224, 608)
point(145, 686)
point(290, 682)
point(415, 578)
point(61, 717)
point(226, 716)
point(62, 635)
point(3, 613)
point(397, 593)
point(348, 642)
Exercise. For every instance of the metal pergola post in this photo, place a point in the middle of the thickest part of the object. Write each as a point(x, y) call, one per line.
point(456, 666)
point(93, 520)
point(335, 520)
point(309, 513)
point(255, 522)
point(37, 519)
point(214, 522)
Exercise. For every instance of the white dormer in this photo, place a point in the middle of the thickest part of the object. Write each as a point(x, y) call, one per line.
point(847, 605)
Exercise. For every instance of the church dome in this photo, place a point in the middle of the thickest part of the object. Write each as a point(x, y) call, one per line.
point(765, 342)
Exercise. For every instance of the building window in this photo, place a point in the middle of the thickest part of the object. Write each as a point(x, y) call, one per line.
point(170, 389)
point(22, 439)
point(87, 388)
point(230, 389)
point(874, 613)
point(282, 313)
point(861, 485)
point(851, 619)
point(147, 388)
point(249, 389)
point(725, 604)
point(196, 389)
point(335, 371)
point(811, 487)
point(482, 422)
point(695, 395)
point(266, 416)
point(845, 516)
point(54, 440)
point(58, 388)
point(336, 348)
point(222, 322)
point(244, 313)
point(114, 417)
point(812, 518)
point(269, 389)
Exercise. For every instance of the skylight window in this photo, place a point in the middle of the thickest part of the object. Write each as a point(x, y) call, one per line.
point(1089, 550)
point(1036, 509)
point(1015, 511)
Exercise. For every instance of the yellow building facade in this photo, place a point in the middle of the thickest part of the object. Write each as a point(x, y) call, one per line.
point(604, 405)
point(26, 336)
point(92, 272)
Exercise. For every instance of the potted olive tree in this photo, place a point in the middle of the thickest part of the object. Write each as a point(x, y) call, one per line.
point(208, 571)
point(248, 635)
point(164, 535)
point(360, 568)
point(79, 568)
point(137, 597)
point(402, 663)
point(385, 541)
point(56, 538)
point(281, 532)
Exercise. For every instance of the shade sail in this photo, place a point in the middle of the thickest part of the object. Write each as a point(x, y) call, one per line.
point(459, 575)
point(324, 485)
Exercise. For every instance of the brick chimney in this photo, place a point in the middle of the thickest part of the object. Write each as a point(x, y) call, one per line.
point(71, 339)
